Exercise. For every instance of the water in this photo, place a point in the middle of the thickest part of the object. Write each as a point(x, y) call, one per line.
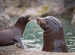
point(33, 35)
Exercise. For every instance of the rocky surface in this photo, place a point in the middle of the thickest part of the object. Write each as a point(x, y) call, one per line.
point(34, 7)
point(52, 7)
point(4, 18)
point(14, 50)
point(69, 4)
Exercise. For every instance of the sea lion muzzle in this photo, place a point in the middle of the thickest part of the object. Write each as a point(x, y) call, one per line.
point(39, 21)
point(28, 17)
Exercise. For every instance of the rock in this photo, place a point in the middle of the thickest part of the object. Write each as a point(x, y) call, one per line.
point(69, 4)
point(55, 7)
point(2, 9)
point(34, 7)
point(14, 50)
point(13, 3)
point(4, 18)
point(23, 11)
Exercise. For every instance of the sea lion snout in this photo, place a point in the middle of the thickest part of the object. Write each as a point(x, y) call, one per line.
point(40, 21)
point(28, 17)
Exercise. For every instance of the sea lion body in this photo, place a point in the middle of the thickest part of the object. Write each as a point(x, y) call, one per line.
point(13, 34)
point(7, 36)
point(53, 35)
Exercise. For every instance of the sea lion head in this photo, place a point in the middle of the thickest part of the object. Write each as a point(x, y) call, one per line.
point(24, 20)
point(49, 24)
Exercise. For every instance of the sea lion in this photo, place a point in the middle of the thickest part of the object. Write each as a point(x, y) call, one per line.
point(12, 35)
point(53, 35)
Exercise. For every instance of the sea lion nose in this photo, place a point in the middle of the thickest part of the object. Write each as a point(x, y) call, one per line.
point(27, 16)
point(38, 19)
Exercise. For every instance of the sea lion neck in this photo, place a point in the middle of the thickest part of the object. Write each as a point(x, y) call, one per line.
point(54, 34)
point(54, 42)
point(21, 27)
point(22, 22)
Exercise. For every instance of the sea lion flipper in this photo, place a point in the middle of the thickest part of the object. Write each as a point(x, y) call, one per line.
point(20, 45)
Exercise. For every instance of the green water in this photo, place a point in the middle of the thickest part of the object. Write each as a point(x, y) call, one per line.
point(33, 34)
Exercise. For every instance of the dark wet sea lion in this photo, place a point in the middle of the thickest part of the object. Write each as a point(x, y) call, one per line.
point(13, 34)
point(53, 35)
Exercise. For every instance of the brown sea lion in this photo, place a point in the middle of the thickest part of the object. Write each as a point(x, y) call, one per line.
point(53, 35)
point(13, 34)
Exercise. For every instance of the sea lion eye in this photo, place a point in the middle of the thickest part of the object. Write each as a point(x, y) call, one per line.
point(55, 23)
